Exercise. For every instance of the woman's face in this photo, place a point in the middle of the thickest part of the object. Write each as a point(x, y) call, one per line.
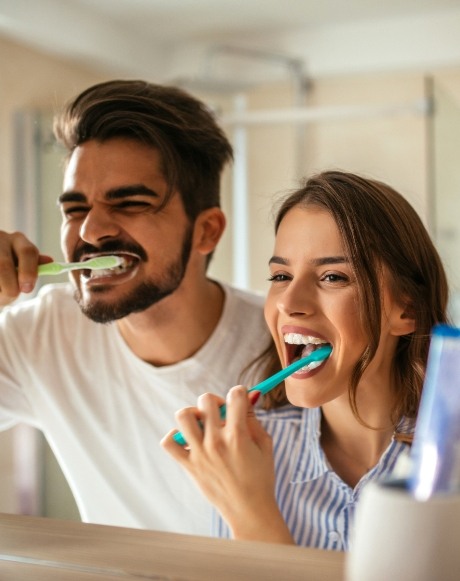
point(313, 300)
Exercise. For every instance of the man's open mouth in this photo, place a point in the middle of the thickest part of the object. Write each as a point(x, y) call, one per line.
point(298, 346)
point(128, 262)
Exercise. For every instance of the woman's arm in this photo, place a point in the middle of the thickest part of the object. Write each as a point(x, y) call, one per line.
point(232, 463)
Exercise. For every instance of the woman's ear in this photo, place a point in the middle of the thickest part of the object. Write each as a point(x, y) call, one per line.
point(403, 319)
point(208, 230)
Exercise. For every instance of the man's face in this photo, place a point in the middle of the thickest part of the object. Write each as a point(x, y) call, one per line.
point(112, 192)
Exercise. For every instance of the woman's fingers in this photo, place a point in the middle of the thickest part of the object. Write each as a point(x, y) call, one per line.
point(179, 453)
point(241, 417)
point(204, 424)
point(212, 422)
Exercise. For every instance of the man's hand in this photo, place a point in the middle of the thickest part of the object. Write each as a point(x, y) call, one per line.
point(19, 259)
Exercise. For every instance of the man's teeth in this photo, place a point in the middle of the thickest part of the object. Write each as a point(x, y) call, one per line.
point(121, 268)
point(298, 339)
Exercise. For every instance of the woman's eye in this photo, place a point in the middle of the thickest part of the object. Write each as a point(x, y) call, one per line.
point(334, 277)
point(278, 278)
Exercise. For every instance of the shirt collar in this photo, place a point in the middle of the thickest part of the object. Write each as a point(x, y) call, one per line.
point(311, 462)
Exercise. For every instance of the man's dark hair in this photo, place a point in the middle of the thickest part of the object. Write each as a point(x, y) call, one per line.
point(193, 148)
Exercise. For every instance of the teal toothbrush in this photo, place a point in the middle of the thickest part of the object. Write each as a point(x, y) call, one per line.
point(271, 382)
point(97, 263)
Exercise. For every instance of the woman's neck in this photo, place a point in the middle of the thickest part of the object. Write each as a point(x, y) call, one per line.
point(352, 448)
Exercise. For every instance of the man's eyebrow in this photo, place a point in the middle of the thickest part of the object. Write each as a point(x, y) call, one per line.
point(71, 197)
point(113, 194)
point(323, 261)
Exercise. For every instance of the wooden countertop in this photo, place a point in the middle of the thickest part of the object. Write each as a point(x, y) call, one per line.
point(35, 548)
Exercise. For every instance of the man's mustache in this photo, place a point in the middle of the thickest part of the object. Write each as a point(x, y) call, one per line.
point(111, 246)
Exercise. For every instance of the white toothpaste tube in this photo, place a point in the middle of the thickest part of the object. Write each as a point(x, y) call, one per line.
point(435, 452)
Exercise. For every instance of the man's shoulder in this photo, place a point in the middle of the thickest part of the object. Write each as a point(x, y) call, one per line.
point(51, 301)
point(56, 296)
point(243, 296)
point(58, 290)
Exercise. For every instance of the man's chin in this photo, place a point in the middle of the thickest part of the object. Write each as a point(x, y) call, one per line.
point(101, 313)
point(106, 310)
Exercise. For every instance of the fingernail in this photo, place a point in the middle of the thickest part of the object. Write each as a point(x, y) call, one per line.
point(254, 397)
point(26, 287)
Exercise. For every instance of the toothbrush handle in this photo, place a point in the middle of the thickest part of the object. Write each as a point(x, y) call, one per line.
point(51, 268)
point(271, 382)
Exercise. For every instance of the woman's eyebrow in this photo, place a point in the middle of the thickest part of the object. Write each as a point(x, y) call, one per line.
point(329, 260)
point(278, 260)
point(324, 260)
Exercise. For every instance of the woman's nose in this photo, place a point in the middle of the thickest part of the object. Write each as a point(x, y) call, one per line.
point(98, 225)
point(297, 300)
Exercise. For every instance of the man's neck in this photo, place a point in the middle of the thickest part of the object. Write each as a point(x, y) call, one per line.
point(176, 327)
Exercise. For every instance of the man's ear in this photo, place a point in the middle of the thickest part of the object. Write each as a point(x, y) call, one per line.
point(208, 230)
point(403, 319)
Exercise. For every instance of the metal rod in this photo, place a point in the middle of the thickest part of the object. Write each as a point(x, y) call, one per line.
point(312, 114)
point(240, 211)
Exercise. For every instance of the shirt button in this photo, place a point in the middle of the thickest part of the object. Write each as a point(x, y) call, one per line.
point(333, 537)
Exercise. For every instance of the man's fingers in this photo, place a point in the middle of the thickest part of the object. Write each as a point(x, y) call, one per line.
point(18, 265)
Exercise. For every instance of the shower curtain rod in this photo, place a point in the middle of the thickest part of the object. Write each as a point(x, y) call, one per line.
point(312, 114)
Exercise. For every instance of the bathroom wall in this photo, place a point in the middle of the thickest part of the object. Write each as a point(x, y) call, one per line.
point(397, 148)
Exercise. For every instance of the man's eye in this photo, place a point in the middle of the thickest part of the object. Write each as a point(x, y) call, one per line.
point(72, 211)
point(133, 204)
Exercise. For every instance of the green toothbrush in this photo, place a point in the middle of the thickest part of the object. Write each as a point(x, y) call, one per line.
point(97, 263)
point(271, 382)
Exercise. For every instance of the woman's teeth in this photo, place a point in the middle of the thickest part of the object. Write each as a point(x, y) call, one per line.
point(309, 344)
point(298, 339)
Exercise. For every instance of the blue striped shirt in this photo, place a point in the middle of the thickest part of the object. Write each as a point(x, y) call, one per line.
point(317, 505)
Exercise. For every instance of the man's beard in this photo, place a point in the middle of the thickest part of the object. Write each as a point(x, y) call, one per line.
point(145, 295)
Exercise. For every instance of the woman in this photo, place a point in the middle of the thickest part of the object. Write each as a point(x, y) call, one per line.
point(353, 267)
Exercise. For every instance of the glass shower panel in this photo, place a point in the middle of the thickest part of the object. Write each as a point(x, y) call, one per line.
point(445, 219)
point(38, 183)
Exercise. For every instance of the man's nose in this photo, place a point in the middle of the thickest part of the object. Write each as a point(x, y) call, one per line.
point(97, 226)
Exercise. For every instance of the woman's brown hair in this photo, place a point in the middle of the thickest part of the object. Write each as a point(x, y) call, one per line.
point(379, 229)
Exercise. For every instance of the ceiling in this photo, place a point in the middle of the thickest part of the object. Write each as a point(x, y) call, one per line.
point(139, 33)
point(170, 20)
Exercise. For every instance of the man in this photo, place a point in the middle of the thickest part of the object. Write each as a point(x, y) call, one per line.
point(141, 182)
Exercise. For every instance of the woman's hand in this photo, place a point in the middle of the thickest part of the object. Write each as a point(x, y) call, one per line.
point(232, 463)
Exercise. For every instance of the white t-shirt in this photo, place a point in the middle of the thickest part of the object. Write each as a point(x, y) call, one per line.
point(103, 410)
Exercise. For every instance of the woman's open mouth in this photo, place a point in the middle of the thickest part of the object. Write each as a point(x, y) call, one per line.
point(298, 345)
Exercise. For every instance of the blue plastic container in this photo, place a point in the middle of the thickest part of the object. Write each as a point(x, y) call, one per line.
point(436, 449)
